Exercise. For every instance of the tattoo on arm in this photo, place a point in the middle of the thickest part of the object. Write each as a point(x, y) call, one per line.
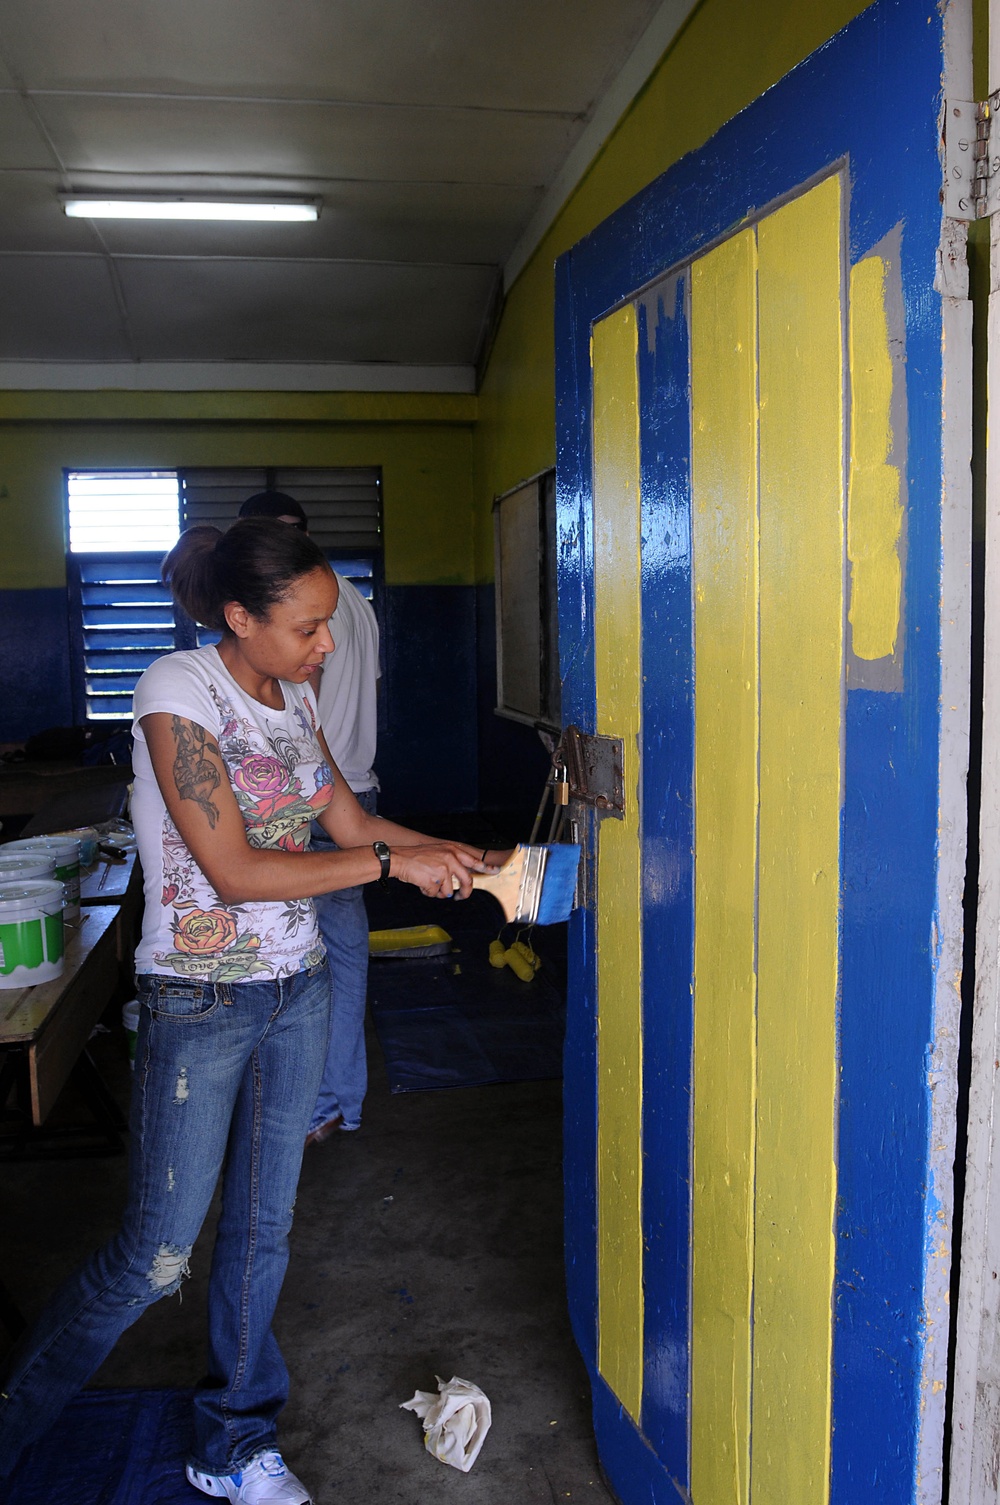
point(195, 776)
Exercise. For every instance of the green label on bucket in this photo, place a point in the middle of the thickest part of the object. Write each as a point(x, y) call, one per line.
point(21, 945)
point(69, 874)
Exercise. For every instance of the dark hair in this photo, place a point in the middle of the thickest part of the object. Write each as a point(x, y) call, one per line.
point(255, 563)
point(275, 504)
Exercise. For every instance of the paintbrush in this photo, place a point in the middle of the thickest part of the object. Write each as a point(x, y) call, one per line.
point(536, 886)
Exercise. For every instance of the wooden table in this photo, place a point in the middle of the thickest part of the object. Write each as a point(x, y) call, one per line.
point(48, 1025)
point(109, 882)
point(117, 883)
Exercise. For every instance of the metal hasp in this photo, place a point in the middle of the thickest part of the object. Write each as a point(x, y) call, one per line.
point(971, 158)
point(595, 770)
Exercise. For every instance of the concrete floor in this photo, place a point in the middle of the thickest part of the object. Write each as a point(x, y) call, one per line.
point(427, 1243)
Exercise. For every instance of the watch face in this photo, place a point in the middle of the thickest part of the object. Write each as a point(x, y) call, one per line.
point(381, 849)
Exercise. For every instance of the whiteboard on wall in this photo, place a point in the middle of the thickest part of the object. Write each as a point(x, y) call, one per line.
point(526, 620)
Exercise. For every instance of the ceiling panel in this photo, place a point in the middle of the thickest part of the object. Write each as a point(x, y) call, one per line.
point(538, 54)
point(31, 216)
point(431, 130)
point(158, 135)
point(269, 311)
point(59, 309)
point(21, 145)
point(462, 222)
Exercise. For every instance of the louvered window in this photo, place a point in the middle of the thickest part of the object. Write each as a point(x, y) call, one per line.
point(121, 523)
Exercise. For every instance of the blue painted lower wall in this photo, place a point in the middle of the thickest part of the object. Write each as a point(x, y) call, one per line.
point(34, 662)
point(441, 748)
point(427, 754)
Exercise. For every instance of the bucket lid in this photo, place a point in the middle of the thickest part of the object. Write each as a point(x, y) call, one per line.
point(60, 844)
point(29, 863)
point(29, 894)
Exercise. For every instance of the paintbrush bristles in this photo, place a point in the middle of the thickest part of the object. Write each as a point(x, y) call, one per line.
point(558, 891)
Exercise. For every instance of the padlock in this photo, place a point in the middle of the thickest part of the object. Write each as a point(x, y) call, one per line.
point(560, 787)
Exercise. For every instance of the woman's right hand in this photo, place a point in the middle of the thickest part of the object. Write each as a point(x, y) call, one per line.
point(435, 867)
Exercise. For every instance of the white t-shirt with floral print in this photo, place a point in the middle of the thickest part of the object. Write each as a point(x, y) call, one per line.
point(281, 782)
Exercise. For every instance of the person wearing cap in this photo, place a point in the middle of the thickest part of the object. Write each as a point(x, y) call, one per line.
point(347, 698)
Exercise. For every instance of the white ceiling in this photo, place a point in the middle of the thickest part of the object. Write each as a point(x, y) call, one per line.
point(432, 130)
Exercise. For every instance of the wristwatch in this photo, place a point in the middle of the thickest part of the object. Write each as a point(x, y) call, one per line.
point(381, 850)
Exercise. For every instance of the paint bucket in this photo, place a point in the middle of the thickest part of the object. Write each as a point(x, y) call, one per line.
point(87, 837)
point(130, 1019)
point(66, 851)
point(31, 932)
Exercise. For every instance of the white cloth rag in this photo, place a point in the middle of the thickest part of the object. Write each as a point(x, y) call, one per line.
point(456, 1421)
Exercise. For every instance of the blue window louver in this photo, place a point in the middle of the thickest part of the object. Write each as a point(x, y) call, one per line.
point(126, 622)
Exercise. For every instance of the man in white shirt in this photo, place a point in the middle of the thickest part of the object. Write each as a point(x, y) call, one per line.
point(346, 694)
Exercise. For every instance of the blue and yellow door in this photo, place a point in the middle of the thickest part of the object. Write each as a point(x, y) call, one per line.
point(757, 541)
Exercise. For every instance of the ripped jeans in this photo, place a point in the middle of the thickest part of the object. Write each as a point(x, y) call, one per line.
point(225, 1079)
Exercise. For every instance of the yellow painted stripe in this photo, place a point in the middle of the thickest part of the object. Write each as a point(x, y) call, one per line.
point(724, 516)
point(801, 664)
point(617, 650)
point(874, 513)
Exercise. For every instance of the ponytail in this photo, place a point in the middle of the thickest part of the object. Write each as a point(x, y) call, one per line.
point(255, 563)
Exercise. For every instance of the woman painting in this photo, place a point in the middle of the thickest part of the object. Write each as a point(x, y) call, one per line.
point(230, 768)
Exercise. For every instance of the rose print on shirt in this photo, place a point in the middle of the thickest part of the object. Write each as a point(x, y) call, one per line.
point(275, 811)
point(205, 930)
point(209, 945)
point(260, 775)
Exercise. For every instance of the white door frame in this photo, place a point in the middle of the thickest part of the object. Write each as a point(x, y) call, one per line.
point(975, 1450)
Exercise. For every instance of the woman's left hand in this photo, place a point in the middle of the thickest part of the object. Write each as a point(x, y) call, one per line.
point(439, 869)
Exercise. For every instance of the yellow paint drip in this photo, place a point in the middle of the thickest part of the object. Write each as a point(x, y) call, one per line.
point(874, 516)
point(724, 518)
point(617, 648)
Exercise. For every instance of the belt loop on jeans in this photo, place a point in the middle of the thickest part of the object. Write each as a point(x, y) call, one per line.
point(224, 992)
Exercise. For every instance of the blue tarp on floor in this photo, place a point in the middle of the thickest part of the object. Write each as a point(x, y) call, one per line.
point(111, 1447)
point(454, 1020)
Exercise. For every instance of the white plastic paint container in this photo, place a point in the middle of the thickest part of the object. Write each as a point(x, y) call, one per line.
point(130, 1019)
point(31, 932)
point(87, 837)
point(66, 851)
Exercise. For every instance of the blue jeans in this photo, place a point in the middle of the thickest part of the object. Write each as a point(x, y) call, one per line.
point(225, 1078)
point(343, 921)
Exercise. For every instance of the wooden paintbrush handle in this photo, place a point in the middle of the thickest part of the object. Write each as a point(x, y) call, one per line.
point(505, 886)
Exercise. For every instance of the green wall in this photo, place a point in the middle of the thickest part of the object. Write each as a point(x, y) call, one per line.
point(422, 443)
point(727, 54)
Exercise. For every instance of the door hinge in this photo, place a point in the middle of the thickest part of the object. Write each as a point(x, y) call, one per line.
point(971, 158)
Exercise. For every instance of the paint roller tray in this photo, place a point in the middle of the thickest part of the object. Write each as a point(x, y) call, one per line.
point(409, 941)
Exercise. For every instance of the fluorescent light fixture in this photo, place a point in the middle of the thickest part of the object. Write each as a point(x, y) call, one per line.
point(80, 206)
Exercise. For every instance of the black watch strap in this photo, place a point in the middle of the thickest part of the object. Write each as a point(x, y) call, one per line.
point(382, 852)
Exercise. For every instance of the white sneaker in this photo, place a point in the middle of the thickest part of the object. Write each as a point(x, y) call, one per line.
point(264, 1481)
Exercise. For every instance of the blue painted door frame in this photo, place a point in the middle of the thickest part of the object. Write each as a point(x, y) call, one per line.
point(868, 102)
